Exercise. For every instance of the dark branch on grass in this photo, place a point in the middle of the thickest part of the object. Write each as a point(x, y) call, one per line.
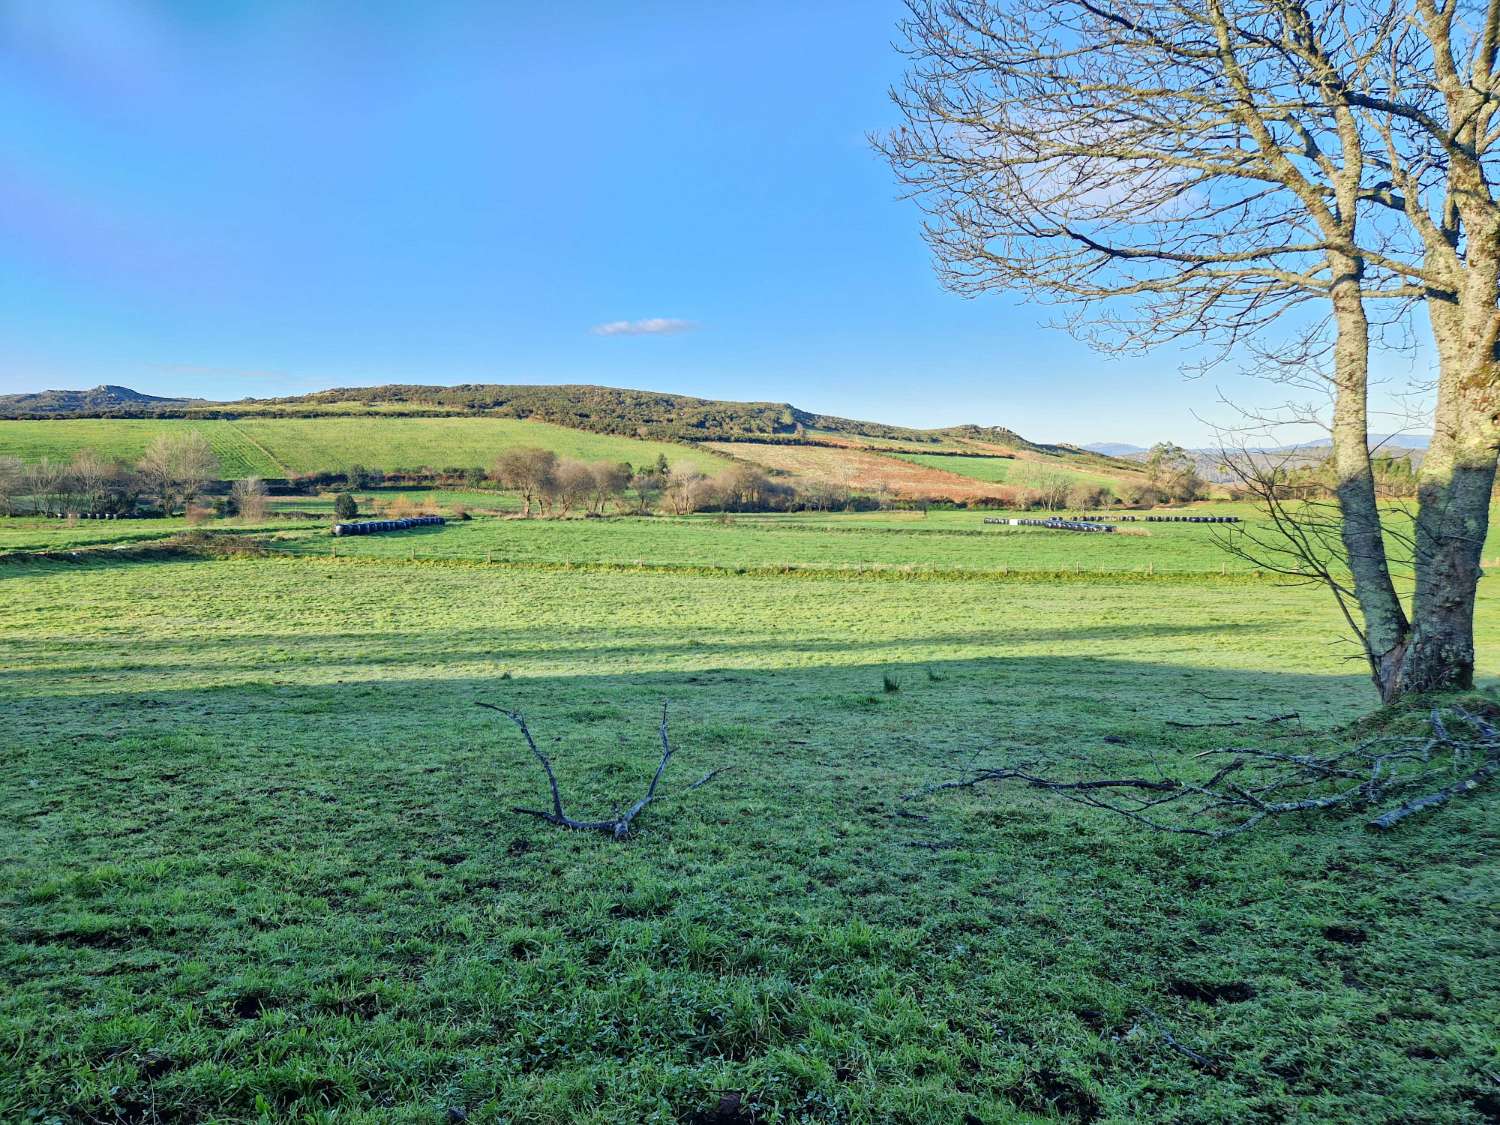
point(1211, 1066)
point(1255, 785)
point(1247, 720)
point(618, 825)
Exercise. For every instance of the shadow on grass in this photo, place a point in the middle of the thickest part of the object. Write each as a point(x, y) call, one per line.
point(245, 652)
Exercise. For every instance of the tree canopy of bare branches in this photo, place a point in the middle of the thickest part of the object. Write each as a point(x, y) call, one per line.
point(1197, 169)
point(176, 466)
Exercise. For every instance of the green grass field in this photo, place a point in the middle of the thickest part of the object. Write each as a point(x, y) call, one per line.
point(890, 544)
point(259, 860)
point(753, 541)
point(1003, 470)
point(279, 447)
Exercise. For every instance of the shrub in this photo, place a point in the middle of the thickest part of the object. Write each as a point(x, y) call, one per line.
point(249, 500)
point(403, 506)
point(345, 507)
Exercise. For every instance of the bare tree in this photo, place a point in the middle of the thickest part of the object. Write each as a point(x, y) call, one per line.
point(572, 484)
point(176, 466)
point(528, 470)
point(250, 499)
point(46, 484)
point(609, 482)
point(1088, 495)
point(647, 485)
point(1195, 170)
point(681, 490)
point(90, 475)
point(12, 479)
point(744, 488)
point(1049, 487)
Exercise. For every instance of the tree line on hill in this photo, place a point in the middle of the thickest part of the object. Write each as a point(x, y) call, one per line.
point(1169, 475)
point(607, 410)
point(167, 479)
point(177, 471)
point(1393, 475)
point(548, 484)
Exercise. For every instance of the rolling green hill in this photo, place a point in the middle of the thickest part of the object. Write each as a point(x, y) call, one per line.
point(279, 447)
point(409, 426)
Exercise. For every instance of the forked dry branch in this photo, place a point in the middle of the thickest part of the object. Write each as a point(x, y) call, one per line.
point(618, 825)
point(1255, 785)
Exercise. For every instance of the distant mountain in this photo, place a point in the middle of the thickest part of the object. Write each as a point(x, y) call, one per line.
point(103, 399)
point(1382, 443)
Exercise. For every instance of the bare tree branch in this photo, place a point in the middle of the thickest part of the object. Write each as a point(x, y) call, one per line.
point(618, 825)
point(1252, 785)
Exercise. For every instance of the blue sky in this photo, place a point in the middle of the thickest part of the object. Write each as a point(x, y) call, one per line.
point(252, 197)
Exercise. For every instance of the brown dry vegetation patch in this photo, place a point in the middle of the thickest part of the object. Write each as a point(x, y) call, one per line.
point(862, 470)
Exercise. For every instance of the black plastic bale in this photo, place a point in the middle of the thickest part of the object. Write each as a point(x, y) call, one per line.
point(375, 527)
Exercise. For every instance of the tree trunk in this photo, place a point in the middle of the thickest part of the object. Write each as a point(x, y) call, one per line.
point(1452, 521)
point(1386, 629)
point(1454, 488)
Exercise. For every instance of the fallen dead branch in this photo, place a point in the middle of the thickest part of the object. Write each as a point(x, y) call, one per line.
point(1250, 785)
point(1248, 720)
point(1386, 821)
point(1199, 1059)
point(618, 825)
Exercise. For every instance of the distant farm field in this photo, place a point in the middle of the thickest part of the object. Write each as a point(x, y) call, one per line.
point(1007, 470)
point(854, 468)
point(947, 542)
point(278, 447)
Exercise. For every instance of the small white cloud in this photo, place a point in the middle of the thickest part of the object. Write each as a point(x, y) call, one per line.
point(651, 326)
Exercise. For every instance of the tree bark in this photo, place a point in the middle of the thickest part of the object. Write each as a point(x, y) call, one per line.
point(1454, 488)
point(1386, 630)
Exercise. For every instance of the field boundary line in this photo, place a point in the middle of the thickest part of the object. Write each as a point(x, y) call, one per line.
point(815, 573)
point(271, 457)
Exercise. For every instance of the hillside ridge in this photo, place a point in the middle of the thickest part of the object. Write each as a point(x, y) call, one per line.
point(601, 409)
point(107, 397)
point(742, 430)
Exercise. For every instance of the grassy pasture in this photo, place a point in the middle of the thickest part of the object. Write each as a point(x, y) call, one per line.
point(839, 437)
point(938, 544)
point(127, 438)
point(1002, 470)
point(278, 447)
point(754, 541)
point(259, 861)
point(858, 469)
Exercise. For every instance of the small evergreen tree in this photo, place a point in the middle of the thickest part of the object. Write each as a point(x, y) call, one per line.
point(345, 507)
